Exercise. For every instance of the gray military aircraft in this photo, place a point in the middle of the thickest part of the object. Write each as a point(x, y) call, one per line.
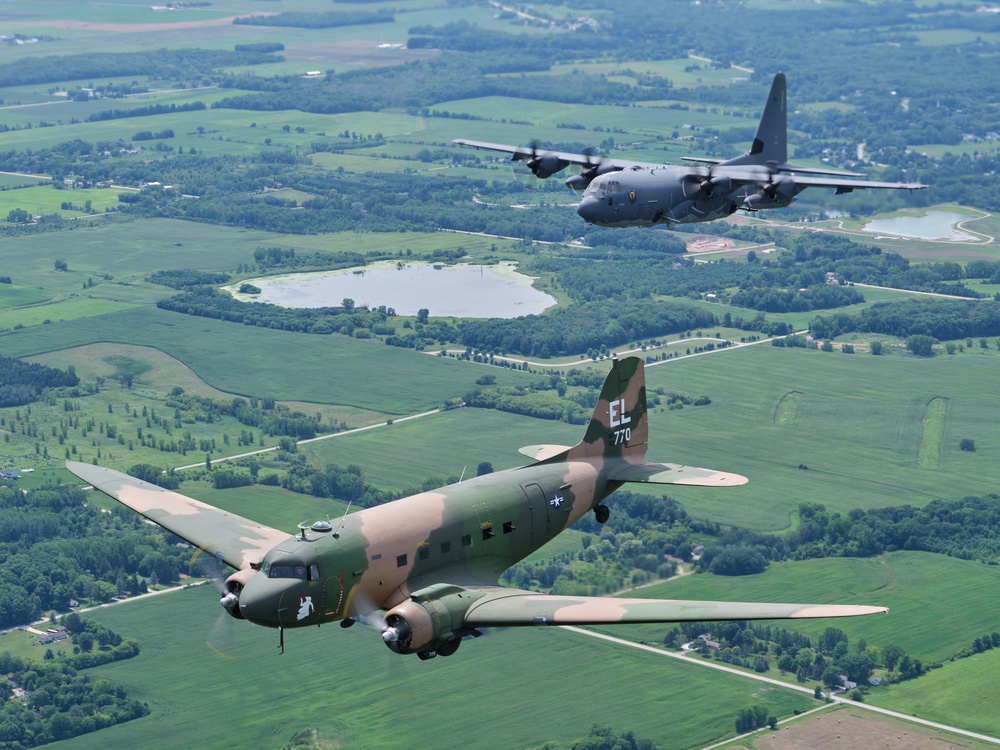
point(430, 562)
point(621, 193)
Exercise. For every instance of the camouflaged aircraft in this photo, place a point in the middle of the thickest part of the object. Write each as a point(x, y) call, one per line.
point(623, 193)
point(424, 569)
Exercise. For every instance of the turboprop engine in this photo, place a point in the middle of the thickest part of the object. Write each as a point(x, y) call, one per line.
point(431, 622)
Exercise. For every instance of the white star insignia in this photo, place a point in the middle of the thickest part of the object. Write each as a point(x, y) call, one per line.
point(556, 501)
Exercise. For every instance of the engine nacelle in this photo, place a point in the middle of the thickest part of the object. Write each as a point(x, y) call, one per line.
point(231, 589)
point(431, 621)
point(546, 165)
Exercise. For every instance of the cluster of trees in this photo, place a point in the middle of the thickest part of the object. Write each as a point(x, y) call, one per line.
point(755, 717)
point(86, 635)
point(828, 658)
point(529, 402)
point(580, 327)
point(24, 382)
point(329, 20)
point(940, 319)
point(629, 549)
point(60, 703)
point(186, 277)
point(145, 111)
point(179, 65)
point(958, 528)
point(603, 737)
point(208, 302)
point(54, 548)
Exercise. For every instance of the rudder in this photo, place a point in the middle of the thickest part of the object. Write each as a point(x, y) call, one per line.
point(619, 427)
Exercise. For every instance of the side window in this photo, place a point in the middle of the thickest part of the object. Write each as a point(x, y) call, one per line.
point(467, 540)
point(445, 547)
point(400, 561)
point(314, 572)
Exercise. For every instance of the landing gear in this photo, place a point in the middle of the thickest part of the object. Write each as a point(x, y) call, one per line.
point(602, 513)
point(347, 622)
point(449, 647)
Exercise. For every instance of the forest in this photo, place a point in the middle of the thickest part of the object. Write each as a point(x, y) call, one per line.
point(23, 382)
point(54, 548)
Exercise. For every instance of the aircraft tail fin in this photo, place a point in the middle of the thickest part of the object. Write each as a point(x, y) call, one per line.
point(618, 434)
point(770, 144)
point(618, 427)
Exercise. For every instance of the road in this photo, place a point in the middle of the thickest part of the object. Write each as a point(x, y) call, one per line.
point(780, 683)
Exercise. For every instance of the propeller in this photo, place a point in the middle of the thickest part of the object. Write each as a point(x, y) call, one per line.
point(593, 168)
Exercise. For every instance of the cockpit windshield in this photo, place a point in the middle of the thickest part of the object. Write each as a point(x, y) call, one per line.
point(601, 188)
point(290, 569)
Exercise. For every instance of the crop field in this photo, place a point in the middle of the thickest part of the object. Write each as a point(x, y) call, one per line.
point(849, 726)
point(919, 588)
point(345, 684)
point(853, 444)
point(403, 455)
point(957, 689)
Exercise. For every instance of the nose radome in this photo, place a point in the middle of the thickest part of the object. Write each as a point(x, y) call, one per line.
point(589, 209)
point(262, 600)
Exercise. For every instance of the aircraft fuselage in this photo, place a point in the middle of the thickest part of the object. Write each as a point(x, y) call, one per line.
point(645, 196)
point(380, 555)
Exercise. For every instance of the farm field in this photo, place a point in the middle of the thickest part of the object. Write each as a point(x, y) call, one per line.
point(344, 683)
point(804, 426)
point(918, 588)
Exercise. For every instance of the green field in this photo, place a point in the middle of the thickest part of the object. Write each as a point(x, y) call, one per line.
point(346, 684)
point(938, 605)
point(957, 689)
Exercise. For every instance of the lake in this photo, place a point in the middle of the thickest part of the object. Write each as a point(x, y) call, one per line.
point(461, 291)
point(934, 225)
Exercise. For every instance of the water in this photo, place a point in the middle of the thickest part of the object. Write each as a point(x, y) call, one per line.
point(934, 225)
point(461, 291)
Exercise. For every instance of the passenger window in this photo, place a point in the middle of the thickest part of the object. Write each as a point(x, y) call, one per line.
point(400, 561)
point(508, 526)
point(424, 551)
point(314, 572)
point(445, 548)
point(467, 540)
point(488, 533)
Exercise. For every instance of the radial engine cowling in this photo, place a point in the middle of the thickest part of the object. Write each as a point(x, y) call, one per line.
point(430, 622)
point(231, 589)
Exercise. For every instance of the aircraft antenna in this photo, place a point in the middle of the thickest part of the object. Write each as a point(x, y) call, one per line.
point(463, 473)
point(336, 534)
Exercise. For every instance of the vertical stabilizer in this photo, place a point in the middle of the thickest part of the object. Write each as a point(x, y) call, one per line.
point(618, 427)
point(770, 144)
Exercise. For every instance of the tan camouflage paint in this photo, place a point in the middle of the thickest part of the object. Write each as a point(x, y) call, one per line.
point(433, 560)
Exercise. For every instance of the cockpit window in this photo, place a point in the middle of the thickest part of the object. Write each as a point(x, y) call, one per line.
point(287, 571)
point(296, 570)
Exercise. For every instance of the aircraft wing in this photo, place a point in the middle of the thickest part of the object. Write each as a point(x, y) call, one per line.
point(676, 474)
point(235, 540)
point(501, 607)
point(524, 153)
point(846, 186)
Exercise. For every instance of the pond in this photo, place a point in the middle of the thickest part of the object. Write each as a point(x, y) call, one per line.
point(461, 291)
point(934, 225)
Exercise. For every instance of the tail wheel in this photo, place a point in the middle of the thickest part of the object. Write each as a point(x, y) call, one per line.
point(602, 513)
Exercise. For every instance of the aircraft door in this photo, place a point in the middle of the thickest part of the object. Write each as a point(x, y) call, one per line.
point(535, 497)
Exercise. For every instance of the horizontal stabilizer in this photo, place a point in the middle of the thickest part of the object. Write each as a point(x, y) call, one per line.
point(235, 540)
point(543, 451)
point(676, 474)
point(501, 608)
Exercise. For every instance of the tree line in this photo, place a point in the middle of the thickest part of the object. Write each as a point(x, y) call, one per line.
point(54, 547)
point(60, 703)
point(940, 319)
point(23, 382)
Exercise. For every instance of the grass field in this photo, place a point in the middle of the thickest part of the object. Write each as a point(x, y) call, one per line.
point(938, 605)
point(960, 688)
point(345, 684)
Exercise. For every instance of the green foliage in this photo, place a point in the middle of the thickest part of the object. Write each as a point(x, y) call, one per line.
point(186, 277)
point(327, 20)
point(56, 548)
point(24, 382)
point(921, 345)
point(942, 319)
point(60, 703)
